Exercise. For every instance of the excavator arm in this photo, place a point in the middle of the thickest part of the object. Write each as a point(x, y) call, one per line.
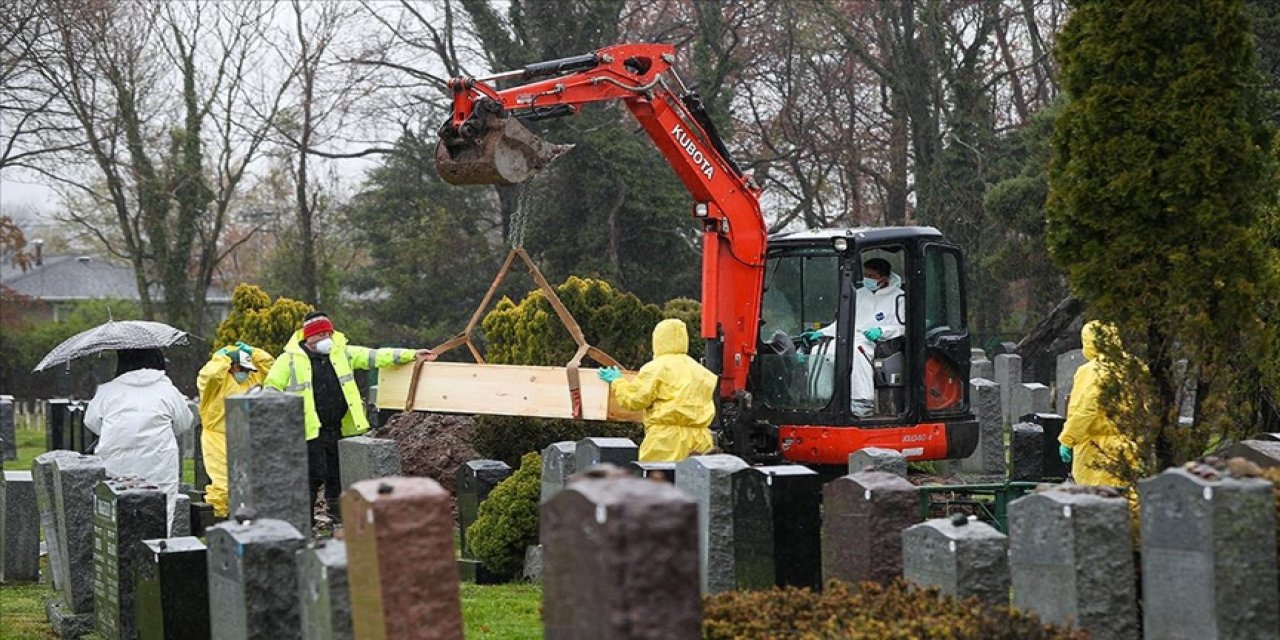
point(486, 142)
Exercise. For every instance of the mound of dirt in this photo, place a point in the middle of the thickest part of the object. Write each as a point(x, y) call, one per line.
point(431, 445)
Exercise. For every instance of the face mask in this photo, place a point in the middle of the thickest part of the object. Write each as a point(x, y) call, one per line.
point(870, 284)
point(241, 376)
point(323, 346)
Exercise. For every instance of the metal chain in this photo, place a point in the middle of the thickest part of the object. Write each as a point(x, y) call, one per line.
point(520, 219)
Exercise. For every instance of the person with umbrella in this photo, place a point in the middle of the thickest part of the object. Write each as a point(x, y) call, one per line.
point(138, 417)
point(233, 370)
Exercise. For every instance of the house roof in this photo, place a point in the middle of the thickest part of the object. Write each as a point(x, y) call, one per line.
point(65, 278)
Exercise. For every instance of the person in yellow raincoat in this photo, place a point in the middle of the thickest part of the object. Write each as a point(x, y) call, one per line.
point(676, 394)
point(233, 370)
point(1090, 439)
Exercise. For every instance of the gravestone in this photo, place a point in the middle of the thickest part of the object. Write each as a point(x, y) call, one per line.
point(776, 527)
point(1264, 453)
point(976, 353)
point(1051, 425)
point(1208, 557)
point(989, 457)
point(877, 459)
point(253, 579)
point(400, 560)
point(266, 457)
point(616, 451)
point(1069, 565)
point(961, 558)
point(323, 592)
point(43, 471)
point(621, 561)
point(981, 368)
point(19, 528)
point(1026, 452)
point(171, 580)
point(532, 570)
point(202, 475)
point(201, 518)
point(365, 458)
point(863, 515)
point(127, 510)
point(1068, 362)
point(558, 463)
point(187, 441)
point(8, 431)
point(181, 517)
point(1028, 398)
point(474, 481)
point(75, 481)
point(664, 471)
point(1008, 374)
point(64, 427)
point(709, 479)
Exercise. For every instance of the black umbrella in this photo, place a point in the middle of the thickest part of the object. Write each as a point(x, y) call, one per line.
point(126, 334)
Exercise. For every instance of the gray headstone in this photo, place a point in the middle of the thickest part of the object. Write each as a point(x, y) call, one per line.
point(323, 592)
point(365, 458)
point(989, 457)
point(620, 561)
point(664, 471)
point(8, 432)
point(202, 474)
point(981, 368)
point(1008, 372)
point(1264, 453)
point(42, 473)
point(863, 515)
point(19, 528)
point(1068, 362)
point(473, 482)
point(171, 580)
point(777, 527)
point(267, 457)
point(977, 353)
point(75, 481)
point(181, 517)
point(558, 463)
point(1026, 452)
point(533, 563)
point(1208, 557)
point(615, 451)
point(1071, 561)
point(1028, 398)
point(962, 561)
point(877, 459)
point(709, 479)
point(253, 579)
point(127, 511)
point(64, 622)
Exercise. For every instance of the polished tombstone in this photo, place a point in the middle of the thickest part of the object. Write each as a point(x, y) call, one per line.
point(43, 471)
point(1208, 557)
point(616, 451)
point(1069, 566)
point(400, 560)
point(863, 515)
point(19, 528)
point(776, 527)
point(171, 583)
point(558, 463)
point(365, 458)
point(621, 560)
point(1052, 465)
point(709, 479)
point(127, 510)
point(253, 580)
point(75, 482)
point(961, 558)
point(877, 459)
point(474, 481)
point(266, 457)
point(64, 427)
point(323, 592)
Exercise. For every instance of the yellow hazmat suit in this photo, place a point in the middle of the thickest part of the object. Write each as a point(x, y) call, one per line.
point(1092, 436)
point(214, 384)
point(677, 395)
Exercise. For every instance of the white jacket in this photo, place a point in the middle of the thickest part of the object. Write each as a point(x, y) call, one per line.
point(138, 417)
point(872, 309)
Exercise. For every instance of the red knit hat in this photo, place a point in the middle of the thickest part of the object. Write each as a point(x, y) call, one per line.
point(318, 324)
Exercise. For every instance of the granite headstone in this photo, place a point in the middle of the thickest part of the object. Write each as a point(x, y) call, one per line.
point(266, 457)
point(127, 510)
point(961, 558)
point(776, 527)
point(323, 592)
point(709, 479)
point(253, 580)
point(19, 528)
point(863, 515)
point(171, 580)
point(558, 463)
point(365, 458)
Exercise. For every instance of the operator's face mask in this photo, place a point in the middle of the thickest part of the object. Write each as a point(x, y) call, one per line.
point(870, 284)
point(324, 346)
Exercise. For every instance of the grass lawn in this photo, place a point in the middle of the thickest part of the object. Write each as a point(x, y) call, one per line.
point(508, 611)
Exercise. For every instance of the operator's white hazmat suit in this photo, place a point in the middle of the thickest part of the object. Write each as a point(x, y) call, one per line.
point(138, 418)
point(872, 309)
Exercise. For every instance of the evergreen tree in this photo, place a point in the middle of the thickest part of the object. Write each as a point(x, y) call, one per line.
point(1160, 170)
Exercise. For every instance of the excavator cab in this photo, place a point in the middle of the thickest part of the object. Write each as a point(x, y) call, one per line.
point(820, 389)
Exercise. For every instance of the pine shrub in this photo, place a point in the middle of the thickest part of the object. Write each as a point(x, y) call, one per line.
point(256, 320)
point(507, 521)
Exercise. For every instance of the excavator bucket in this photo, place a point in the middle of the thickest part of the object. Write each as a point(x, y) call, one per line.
point(505, 153)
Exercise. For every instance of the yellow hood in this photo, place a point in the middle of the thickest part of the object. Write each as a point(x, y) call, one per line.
point(670, 337)
point(1093, 333)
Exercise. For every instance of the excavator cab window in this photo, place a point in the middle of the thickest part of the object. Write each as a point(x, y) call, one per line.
point(801, 294)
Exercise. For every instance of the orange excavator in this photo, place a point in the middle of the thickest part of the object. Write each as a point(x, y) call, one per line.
point(798, 381)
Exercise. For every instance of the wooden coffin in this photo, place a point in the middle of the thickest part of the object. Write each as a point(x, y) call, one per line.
point(499, 389)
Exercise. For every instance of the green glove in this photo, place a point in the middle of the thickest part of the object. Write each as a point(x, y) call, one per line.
point(609, 374)
point(1064, 452)
point(226, 351)
point(873, 333)
point(245, 348)
point(812, 335)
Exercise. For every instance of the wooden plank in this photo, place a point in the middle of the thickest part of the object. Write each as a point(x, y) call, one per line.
point(499, 389)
